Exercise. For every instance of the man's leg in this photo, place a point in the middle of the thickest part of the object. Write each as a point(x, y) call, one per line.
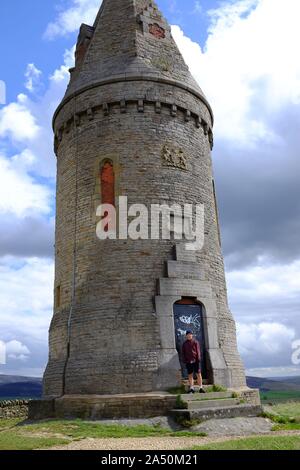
point(199, 380)
point(191, 381)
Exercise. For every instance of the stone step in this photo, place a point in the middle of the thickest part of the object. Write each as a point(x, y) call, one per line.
point(206, 384)
point(217, 403)
point(217, 413)
point(197, 388)
point(205, 396)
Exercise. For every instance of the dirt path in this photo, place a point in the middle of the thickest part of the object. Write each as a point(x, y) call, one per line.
point(155, 443)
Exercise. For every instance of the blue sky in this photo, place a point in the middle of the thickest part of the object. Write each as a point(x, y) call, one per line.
point(28, 21)
point(251, 77)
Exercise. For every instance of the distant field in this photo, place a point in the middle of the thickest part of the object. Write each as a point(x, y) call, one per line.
point(270, 385)
point(279, 396)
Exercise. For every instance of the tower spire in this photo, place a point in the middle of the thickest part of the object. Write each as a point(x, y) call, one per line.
point(132, 39)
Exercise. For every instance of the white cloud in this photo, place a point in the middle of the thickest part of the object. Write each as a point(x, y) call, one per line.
point(268, 282)
point(26, 301)
point(42, 108)
point(265, 300)
point(17, 121)
point(33, 75)
point(285, 371)
point(26, 288)
point(16, 350)
point(19, 193)
point(68, 21)
point(27, 123)
point(265, 339)
point(26, 284)
point(2, 92)
point(2, 353)
point(248, 68)
point(62, 73)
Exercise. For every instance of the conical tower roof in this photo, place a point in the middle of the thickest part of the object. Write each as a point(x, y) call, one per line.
point(130, 39)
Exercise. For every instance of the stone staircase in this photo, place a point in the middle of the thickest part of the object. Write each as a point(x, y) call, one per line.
point(211, 405)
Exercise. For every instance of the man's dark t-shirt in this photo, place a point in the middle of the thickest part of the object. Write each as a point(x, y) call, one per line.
point(191, 351)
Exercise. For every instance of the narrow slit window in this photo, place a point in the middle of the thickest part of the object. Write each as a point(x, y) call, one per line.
point(57, 297)
point(107, 177)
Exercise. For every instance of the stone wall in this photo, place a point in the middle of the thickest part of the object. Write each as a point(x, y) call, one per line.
point(251, 396)
point(14, 409)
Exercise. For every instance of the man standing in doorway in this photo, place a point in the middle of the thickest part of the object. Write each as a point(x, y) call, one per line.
point(192, 358)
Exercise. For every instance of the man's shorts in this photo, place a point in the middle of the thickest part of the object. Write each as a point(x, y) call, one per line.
point(194, 368)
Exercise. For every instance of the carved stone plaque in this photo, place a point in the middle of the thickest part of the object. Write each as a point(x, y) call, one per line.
point(174, 157)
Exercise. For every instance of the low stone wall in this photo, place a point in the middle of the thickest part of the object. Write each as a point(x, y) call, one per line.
point(251, 396)
point(14, 409)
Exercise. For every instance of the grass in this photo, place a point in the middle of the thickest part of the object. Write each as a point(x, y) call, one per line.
point(177, 390)
point(216, 388)
point(256, 443)
point(11, 440)
point(181, 390)
point(286, 427)
point(275, 397)
point(289, 410)
point(187, 423)
point(17, 435)
point(8, 423)
point(180, 403)
point(286, 416)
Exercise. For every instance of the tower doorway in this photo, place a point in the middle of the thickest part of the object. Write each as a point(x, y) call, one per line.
point(188, 315)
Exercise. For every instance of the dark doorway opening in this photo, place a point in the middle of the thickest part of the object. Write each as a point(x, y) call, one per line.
point(188, 315)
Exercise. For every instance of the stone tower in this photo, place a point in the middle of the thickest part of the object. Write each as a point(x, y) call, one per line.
point(133, 123)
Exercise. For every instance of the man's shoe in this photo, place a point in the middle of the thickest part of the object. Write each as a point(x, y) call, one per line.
point(202, 390)
point(191, 390)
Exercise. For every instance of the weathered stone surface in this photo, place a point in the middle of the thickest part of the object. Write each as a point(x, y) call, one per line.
point(204, 414)
point(165, 422)
point(234, 427)
point(243, 402)
point(41, 409)
point(177, 269)
point(13, 409)
point(130, 96)
point(117, 406)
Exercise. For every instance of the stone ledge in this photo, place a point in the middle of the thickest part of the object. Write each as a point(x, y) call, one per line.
point(218, 413)
point(95, 407)
point(134, 78)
